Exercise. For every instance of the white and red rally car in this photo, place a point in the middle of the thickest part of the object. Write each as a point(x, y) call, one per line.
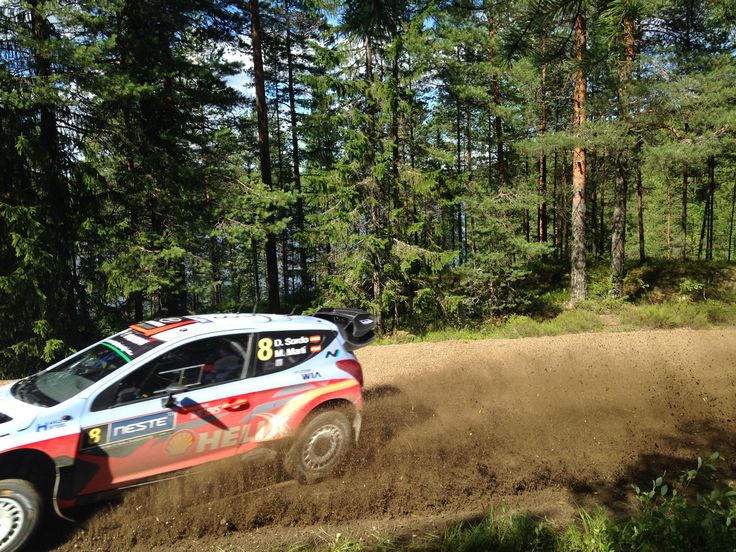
point(170, 394)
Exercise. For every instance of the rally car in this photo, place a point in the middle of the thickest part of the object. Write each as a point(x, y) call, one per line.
point(169, 394)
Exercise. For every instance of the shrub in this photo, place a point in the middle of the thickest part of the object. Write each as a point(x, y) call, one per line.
point(684, 314)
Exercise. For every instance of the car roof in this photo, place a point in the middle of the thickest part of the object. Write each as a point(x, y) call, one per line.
point(182, 327)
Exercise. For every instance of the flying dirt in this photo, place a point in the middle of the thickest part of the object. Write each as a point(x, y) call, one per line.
point(451, 429)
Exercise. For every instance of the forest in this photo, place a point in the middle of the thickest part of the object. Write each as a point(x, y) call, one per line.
point(433, 161)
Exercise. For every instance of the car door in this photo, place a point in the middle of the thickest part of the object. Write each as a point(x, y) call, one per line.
point(129, 432)
point(280, 393)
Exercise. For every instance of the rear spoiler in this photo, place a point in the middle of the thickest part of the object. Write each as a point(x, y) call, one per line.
point(355, 325)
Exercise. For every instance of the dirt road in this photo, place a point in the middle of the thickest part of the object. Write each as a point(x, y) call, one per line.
point(452, 428)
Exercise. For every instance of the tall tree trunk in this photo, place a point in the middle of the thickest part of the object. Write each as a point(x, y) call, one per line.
point(255, 261)
point(669, 220)
point(703, 227)
point(564, 213)
point(640, 213)
point(284, 187)
point(496, 95)
point(730, 227)
point(683, 221)
point(711, 195)
point(304, 275)
point(592, 185)
point(578, 284)
point(542, 178)
point(618, 236)
point(59, 286)
point(555, 218)
point(377, 226)
point(602, 215)
point(458, 138)
point(469, 181)
point(457, 224)
point(394, 133)
point(490, 150)
point(272, 269)
point(499, 136)
point(469, 148)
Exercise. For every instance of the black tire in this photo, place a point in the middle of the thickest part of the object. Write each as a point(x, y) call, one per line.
point(20, 512)
point(319, 447)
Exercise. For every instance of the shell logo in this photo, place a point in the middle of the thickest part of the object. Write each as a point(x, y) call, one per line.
point(180, 443)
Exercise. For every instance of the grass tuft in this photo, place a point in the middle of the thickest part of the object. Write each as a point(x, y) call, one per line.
point(695, 511)
point(682, 314)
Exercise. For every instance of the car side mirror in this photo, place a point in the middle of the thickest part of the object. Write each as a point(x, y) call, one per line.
point(171, 390)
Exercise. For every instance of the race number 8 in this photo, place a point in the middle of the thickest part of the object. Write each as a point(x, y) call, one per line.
point(93, 435)
point(265, 348)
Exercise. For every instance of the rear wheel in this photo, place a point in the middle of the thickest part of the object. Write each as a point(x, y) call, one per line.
point(320, 447)
point(20, 512)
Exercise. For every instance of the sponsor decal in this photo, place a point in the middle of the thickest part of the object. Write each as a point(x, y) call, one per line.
point(136, 339)
point(283, 347)
point(180, 443)
point(53, 424)
point(310, 375)
point(124, 348)
point(152, 327)
point(203, 410)
point(269, 427)
point(131, 344)
point(333, 353)
point(125, 430)
point(200, 319)
point(296, 340)
point(138, 427)
point(366, 321)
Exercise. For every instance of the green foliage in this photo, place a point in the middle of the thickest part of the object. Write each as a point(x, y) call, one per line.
point(572, 321)
point(682, 314)
point(666, 282)
point(696, 511)
point(407, 144)
point(505, 532)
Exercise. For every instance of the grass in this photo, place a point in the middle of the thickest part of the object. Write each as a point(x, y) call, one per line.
point(660, 294)
point(683, 314)
point(695, 511)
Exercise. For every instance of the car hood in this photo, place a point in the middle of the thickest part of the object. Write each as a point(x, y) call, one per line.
point(15, 415)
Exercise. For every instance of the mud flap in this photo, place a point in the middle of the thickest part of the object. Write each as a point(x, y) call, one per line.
point(55, 496)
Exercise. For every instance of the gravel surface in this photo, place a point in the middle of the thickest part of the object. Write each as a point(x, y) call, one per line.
point(453, 428)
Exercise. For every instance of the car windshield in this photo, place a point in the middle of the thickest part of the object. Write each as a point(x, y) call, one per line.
point(75, 374)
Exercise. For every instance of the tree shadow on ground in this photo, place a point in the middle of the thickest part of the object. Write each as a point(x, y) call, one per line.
point(671, 456)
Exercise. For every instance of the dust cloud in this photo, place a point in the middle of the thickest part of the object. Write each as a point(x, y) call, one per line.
point(457, 426)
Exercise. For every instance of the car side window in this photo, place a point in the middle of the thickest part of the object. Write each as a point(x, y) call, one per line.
point(276, 351)
point(198, 363)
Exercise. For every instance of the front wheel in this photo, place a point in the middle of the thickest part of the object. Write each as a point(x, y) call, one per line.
point(320, 446)
point(20, 512)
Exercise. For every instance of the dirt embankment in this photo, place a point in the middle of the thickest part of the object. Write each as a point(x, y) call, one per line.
point(452, 428)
